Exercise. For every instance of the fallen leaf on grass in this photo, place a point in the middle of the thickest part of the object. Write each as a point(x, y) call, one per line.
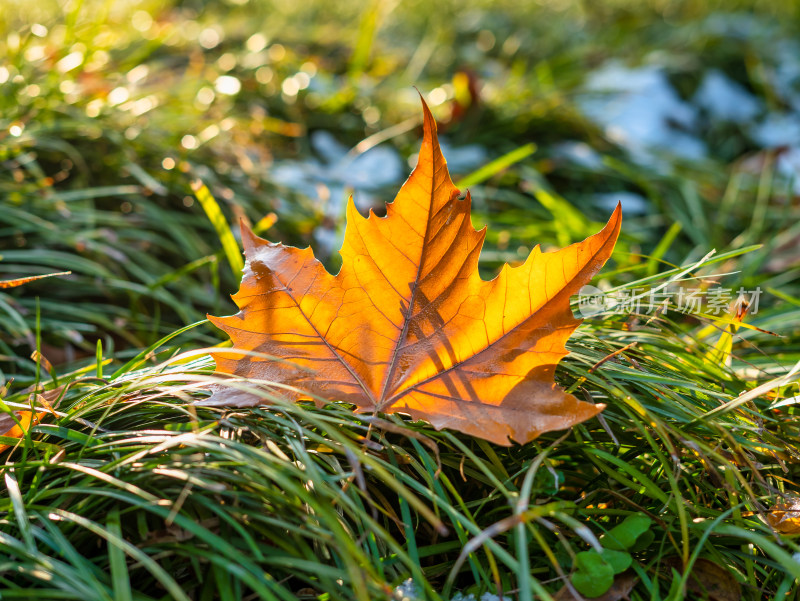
point(709, 580)
point(785, 517)
point(408, 325)
point(11, 429)
point(175, 534)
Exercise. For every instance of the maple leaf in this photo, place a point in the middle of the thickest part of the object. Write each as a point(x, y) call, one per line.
point(408, 325)
point(11, 428)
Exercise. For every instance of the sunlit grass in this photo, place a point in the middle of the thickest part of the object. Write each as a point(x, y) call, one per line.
point(130, 491)
point(135, 490)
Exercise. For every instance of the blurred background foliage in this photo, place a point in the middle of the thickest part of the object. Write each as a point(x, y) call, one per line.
point(688, 112)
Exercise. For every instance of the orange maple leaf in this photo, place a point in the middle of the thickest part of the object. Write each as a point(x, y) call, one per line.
point(11, 429)
point(408, 325)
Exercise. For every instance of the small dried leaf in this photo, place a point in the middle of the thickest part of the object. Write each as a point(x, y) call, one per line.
point(408, 325)
point(709, 580)
point(785, 517)
point(20, 281)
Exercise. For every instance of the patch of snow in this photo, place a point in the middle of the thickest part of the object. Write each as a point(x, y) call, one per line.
point(406, 591)
point(641, 111)
point(734, 25)
point(632, 203)
point(463, 159)
point(778, 129)
point(330, 179)
point(786, 76)
point(373, 170)
point(579, 153)
point(788, 165)
point(725, 99)
point(328, 147)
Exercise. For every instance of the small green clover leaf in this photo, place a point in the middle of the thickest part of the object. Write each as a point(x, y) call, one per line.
point(595, 570)
point(625, 536)
point(643, 541)
point(593, 575)
point(618, 560)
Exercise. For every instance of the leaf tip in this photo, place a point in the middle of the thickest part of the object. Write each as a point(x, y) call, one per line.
point(616, 217)
point(428, 123)
point(249, 238)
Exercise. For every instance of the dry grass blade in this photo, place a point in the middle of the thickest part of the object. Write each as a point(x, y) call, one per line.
point(20, 281)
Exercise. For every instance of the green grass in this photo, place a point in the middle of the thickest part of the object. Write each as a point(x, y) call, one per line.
point(133, 492)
